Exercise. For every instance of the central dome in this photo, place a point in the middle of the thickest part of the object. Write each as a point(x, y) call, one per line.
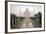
point(27, 13)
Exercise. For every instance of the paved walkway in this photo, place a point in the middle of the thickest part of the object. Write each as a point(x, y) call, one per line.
point(27, 23)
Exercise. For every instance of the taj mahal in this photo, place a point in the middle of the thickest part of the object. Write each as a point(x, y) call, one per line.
point(27, 13)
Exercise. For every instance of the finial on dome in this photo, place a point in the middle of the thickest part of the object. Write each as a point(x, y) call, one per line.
point(27, 9)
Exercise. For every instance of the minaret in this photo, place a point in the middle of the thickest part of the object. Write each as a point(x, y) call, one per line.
point(20, 12)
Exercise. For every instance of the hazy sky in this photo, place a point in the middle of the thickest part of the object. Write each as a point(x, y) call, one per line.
point(19, 9)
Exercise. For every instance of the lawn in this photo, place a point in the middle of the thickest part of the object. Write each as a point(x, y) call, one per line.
point(36, 23)
point(18, 23)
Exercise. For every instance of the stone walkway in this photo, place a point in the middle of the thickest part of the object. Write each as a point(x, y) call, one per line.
point(27, 23)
